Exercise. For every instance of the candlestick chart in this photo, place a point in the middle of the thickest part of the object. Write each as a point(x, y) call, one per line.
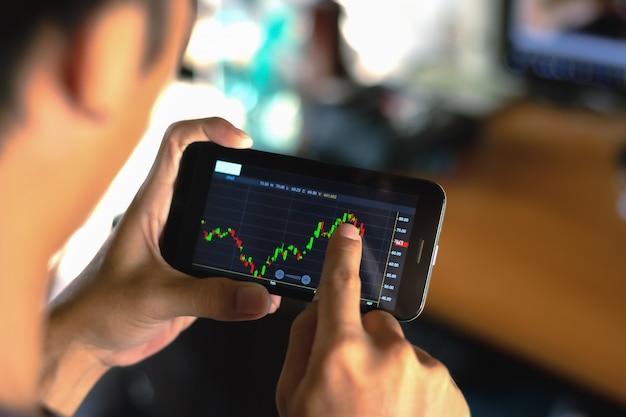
point(283, 251)
point(280, 235)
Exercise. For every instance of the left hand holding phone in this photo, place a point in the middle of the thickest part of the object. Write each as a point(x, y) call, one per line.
point(129, 303)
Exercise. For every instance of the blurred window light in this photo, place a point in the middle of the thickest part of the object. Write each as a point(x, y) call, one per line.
point(389, 37)
point(228, 35)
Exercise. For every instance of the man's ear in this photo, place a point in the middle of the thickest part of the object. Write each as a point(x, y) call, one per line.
point(105, 57)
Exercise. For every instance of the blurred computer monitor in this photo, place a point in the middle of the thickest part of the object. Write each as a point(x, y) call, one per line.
point(568, 47)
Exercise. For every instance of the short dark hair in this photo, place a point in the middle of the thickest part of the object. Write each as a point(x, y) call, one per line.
point(21, 21)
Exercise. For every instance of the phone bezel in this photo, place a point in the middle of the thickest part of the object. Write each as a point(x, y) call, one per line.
point(192, 188)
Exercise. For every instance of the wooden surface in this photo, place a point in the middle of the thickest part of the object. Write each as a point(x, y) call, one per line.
point(533, 253)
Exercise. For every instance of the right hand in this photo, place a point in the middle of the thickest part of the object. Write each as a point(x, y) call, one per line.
point(341, 364)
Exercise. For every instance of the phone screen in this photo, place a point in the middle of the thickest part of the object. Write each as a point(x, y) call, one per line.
point(268, 225)
point(267, 218)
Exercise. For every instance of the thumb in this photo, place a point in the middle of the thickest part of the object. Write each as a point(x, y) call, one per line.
point(219, 299)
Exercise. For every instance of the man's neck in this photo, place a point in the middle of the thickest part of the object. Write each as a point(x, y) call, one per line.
point(20, 337)
point(23, 271)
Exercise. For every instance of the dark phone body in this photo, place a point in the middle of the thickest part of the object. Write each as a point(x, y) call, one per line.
point(267, 218)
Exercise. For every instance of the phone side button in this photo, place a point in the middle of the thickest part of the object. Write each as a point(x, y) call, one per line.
point(435, 255)
point(420, 249)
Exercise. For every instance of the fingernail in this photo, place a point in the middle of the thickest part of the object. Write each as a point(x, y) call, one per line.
point(348, 230)
point(245, 139)
point(245, 142)
point(253, 300)
point(274, 305)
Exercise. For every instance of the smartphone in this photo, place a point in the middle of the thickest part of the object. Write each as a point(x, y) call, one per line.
point(267, 218)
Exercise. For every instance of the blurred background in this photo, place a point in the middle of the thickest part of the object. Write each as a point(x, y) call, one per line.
point(516, 107)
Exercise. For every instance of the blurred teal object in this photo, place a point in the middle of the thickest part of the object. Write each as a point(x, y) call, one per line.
point(260, 84)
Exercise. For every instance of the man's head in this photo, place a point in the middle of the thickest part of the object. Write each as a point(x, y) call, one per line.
point(79, 79)
point(22, 21)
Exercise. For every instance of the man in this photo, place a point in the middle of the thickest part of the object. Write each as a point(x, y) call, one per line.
point(78, 83)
